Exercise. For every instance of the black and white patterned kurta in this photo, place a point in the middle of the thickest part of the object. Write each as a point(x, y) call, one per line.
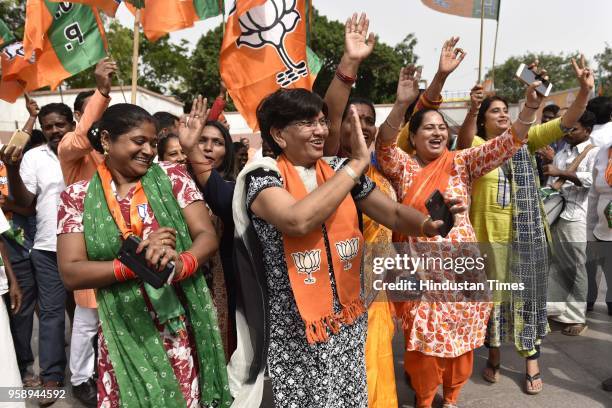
point(322, 375)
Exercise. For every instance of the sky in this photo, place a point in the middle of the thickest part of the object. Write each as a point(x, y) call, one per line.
point(553, 26)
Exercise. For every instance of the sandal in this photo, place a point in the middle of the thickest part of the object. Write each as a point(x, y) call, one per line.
point(574, 329)
point(529, 388)
point(31, 381)
point(492, 379)
point(449, 405)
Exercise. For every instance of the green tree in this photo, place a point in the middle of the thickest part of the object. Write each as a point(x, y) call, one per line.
point(12, 12)
point(558, 66)
point(604, 71)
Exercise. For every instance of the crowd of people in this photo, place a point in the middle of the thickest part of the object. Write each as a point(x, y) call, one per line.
point(267, 247)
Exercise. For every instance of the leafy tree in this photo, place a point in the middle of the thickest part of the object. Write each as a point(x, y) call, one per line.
point(604, 74)
point(12, 12)
point(558, 66)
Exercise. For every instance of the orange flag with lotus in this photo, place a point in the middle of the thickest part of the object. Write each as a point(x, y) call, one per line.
point(109, 7)
point(264, 49)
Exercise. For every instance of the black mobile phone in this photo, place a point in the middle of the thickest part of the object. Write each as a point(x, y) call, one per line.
point(138, 263)
point(439, 210)
point(527, 76)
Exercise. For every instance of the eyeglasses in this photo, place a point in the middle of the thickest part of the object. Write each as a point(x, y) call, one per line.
point(311, 124)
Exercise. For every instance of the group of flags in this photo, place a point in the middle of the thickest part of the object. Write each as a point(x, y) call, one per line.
point(265, 44)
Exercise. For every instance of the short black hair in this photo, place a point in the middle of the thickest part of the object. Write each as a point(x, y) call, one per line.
point(358, 100)
point(80, 100)
point(552, 108)
point(165, 119)
point(60, 108)
point(601, 106)
point(588, 120)
point(284, 106)
point(118, 120)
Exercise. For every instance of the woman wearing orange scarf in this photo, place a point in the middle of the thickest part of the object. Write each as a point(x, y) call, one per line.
point(298, 227)
point(441, 335)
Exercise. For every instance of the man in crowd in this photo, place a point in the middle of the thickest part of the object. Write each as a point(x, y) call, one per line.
point(38, 179)
point(167, 123)
point(602, 131)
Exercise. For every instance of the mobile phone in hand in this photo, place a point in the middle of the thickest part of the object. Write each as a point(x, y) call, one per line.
point(528, 76)
point(440, 210)
point(138, 263)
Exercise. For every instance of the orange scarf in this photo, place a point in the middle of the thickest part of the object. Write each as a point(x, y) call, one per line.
point(138, 205)
point(307, 261)
point(432, 177)
point(609, 168)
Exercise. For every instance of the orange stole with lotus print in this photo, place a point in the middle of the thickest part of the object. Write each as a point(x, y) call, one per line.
point(307, 262)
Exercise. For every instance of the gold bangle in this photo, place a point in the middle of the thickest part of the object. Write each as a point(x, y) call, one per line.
point(423, 227)
point(351, 173)
point(397, 129)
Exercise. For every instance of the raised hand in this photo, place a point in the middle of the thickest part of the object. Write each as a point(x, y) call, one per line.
point(11, 155)
point(584, 74)
point(31, 106)
point(358, 45)
point(408, 84)
point(450, 57)
point(359, 148)
point(533, 98)
point(105, 69)
point(191, 125)
point(476, 97)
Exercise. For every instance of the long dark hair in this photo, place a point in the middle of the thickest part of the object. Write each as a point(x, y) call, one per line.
point(118, 120)
point(480, 119)
point(227, 165)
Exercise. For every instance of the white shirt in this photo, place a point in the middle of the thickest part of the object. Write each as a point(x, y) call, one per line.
point(600, 195)
point(42, 175)
point(575, 196)
point(4, 226)
point(601, 135)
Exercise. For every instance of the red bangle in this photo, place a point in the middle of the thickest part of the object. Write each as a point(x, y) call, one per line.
point(122, 272)
point(190, 266)
point(350, 81)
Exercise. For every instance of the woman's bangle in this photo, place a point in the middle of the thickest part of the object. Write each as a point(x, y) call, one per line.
point(531, 107)
point(521, 121)
point(397, 129)
point(351, 173)
point(350, 81)
point(425, 221)
point(190, 266)
point(122, 272)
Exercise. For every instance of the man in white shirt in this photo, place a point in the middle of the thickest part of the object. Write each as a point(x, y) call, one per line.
point(602, 131)
point(568, 283)
point(38, 177)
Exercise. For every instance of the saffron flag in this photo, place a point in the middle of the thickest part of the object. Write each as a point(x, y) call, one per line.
point(65, 39)
point(17, 72)
point(466, 8)
point(6, 35)
point(265, 48)
point(107, 6)
point(160, 17)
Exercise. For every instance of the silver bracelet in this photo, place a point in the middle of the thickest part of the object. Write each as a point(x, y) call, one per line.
point(351, 173)
point(521, 121)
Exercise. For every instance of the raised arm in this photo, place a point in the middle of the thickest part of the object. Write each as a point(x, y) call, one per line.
point(75, 145)
point(587, 83)
point(298, 217)
point(469, 126)
point(358, 45)
point(33, 110)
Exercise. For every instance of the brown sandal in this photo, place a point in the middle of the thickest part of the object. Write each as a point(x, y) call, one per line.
point(575, 329)
point(492, 379)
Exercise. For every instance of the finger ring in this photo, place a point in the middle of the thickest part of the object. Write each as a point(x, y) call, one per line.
point(163, 251)
point(196, 116)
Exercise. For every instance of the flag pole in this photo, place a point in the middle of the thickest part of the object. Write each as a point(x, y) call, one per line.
point(494, 52)
point(135, 55)
point(481, 39)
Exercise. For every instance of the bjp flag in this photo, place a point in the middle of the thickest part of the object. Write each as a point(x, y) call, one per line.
point(466, 8)
point(160, 17)
point(6, 35)
point(265, 48)
point(109, 7)
point(64, 39)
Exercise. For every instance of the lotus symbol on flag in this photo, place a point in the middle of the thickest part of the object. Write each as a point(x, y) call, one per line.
point(307, 262)
point(269, 24)
point(347, 250)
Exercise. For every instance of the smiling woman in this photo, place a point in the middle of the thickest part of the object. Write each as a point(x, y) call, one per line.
point(166, 337)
